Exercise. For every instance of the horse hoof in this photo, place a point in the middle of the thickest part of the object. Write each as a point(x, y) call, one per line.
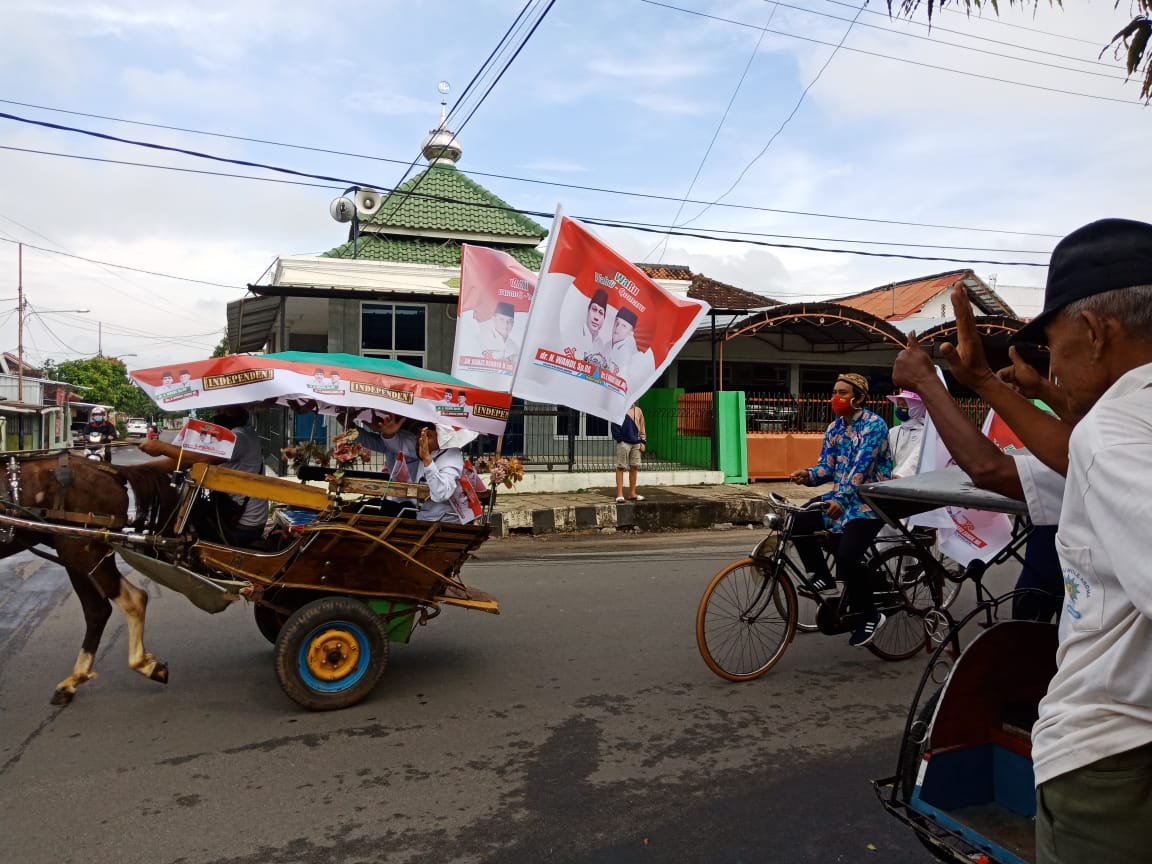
point(61, 697)
point(160, 673)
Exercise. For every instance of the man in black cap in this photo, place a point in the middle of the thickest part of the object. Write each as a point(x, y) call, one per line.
point(1092, 743)
point(496, 339)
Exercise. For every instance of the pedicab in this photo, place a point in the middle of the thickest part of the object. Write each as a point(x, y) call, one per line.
point(963, 780)
point(340, 583)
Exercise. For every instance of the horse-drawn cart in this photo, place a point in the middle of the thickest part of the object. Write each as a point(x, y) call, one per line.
point(331, 592)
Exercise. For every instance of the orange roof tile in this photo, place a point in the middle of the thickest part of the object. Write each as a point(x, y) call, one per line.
point(900, 300)
point(667, 271)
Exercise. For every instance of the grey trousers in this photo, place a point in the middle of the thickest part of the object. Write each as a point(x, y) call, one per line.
point(1099, 813)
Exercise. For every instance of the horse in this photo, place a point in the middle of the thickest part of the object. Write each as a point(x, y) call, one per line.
point(62, 487)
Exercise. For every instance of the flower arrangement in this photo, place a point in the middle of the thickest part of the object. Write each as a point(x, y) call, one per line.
point(345, 453)
point(306, 453)
point(507, 470)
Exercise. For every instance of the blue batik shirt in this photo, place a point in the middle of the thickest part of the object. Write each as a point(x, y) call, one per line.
point(853, 454)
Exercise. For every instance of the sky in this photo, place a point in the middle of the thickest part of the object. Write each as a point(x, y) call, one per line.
point(904, 140)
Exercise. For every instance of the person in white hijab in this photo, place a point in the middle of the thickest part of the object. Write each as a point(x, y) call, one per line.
point(441, 467)
point(904, 440)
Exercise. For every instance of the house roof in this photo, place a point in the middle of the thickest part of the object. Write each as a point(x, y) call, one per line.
point(420, 250)
point(673, 272)
point(899, 300)
point(446, 199)
point(719, 295)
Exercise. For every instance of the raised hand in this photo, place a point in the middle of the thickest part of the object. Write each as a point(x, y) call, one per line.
point(1023, 376)
point(966, 359)
point(913, 369)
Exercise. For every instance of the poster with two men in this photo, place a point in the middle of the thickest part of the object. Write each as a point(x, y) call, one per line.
point(593, 332)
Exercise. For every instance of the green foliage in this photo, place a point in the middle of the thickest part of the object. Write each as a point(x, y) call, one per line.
point(1129, 45)
point(104, 381)
point(221, 349)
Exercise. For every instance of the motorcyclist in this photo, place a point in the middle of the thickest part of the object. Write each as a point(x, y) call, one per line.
point(98, 423)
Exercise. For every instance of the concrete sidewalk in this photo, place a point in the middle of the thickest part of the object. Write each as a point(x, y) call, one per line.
point(664, 508)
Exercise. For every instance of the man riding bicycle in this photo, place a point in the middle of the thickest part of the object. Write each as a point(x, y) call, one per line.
point(855, 452)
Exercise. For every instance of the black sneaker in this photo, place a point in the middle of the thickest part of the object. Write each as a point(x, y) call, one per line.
point(866, 630)
point(820, 584)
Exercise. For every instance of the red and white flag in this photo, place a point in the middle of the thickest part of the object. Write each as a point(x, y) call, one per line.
point(966, 534)
point(492, 313)
point(600, 331)
point(200, 436)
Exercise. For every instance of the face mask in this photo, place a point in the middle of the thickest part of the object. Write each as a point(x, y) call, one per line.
point(902, 415)
point(842, 405)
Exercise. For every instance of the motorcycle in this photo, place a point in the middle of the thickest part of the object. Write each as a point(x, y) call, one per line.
point(96, 448)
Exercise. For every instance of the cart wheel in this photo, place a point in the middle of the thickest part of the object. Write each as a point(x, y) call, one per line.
point(331, 653)
point(911, 752)
point(745, 620)
point(911, 590)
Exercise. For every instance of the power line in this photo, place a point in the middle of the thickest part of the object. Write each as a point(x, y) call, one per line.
point(649, 196)
point(716, 133)
point(966, 47)
point(476, 107)
point(603, 222)
point(923, 65)
point(117, 266)
point(969, 35)
point(787, 119)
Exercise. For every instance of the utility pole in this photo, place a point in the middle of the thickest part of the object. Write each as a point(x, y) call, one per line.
point(20, 323)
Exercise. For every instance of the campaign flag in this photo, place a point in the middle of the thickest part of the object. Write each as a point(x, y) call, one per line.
point(199, 436)
point(965, 534)
point(492, 313)
point(331, 382)
point(600, 331)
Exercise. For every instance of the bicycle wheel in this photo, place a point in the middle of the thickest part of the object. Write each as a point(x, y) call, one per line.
point(911, 589)
point(745, 620)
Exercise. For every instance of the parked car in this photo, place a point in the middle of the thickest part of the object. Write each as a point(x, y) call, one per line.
point(137, 427)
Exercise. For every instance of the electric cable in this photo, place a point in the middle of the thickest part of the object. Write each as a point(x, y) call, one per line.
point(918, 63)
point(649, 196)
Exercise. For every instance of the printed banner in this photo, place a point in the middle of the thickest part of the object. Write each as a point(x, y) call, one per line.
point(333, 381)
point(600, 331)
point(200, 436)
point(492, 314)
point(965, 534)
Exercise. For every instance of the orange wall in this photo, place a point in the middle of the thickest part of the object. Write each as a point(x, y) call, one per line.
point(775, 455)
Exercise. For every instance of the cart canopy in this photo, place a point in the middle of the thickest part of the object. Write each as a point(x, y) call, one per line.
point(332, 381)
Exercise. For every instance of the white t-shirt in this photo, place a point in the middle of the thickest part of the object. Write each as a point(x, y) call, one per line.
point(1043, 488)
point(1099, 703)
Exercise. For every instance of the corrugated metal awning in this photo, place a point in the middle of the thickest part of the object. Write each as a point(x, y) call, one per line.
point(250, 322)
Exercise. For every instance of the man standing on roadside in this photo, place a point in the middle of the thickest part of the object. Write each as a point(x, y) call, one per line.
point(630, 441)
point(1092, 744)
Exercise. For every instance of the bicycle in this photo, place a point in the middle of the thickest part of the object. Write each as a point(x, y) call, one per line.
point(749, 612)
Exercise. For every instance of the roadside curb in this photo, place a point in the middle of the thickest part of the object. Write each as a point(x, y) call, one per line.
point(684, 513)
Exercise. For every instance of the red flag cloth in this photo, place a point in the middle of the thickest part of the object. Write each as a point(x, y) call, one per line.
point(600, 331)
point(495, 296)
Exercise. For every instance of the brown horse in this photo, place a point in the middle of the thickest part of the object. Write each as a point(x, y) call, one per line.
point(63, 488)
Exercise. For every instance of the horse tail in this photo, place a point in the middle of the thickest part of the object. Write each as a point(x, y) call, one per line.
point(154, 494)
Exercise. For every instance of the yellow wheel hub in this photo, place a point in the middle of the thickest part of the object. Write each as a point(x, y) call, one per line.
point(332, 654)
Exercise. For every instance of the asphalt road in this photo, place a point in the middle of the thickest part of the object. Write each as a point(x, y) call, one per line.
point(579, 725)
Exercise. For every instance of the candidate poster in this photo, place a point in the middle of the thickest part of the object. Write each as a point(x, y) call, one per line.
point(600, 331)
point(492, 315)
point(965, 534)
point(331, 382)
point(199, 436)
